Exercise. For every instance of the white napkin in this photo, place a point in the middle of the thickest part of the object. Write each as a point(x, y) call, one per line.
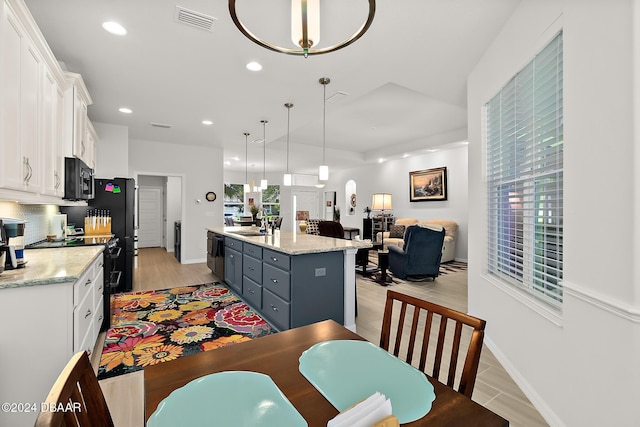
point(364, 414)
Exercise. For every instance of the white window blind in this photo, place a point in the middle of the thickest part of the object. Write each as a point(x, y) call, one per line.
point(524, 135)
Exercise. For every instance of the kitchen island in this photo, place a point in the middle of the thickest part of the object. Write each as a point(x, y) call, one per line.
point(291, 278)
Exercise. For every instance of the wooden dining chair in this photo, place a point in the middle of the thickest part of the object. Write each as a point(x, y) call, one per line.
point(420, 333)
point(77, 398)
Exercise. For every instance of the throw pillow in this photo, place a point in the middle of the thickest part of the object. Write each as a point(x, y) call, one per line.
point(396, 231)
point(312, 226)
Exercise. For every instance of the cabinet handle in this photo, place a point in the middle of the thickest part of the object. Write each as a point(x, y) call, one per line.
point(30, 174)
point(230, 255)
point(101, 264)
point(251, 268)
point(274, 308)
point(274, 259)
point(88, 313)
point(251, 291)
point(274, 280)
point(56, 180)
point(88, 282)
point(26, 175)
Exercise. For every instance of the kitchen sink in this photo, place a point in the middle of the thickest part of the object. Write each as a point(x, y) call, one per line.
point(247, 233)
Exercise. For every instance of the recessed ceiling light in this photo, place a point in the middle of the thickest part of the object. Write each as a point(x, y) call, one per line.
point(114, 28)
point(125, 110)
point(227, 162)
point(405, 155)
point(254, 66)
point(207, 122)
point(236, 158)
point(380, 160)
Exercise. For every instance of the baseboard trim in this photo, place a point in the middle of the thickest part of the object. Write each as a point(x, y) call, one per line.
point(538, 402)
point(193, 261)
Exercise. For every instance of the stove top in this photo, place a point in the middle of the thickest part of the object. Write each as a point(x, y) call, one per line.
point(106, 239)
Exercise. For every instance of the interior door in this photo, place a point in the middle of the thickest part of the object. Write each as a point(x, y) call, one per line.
point(150, 209)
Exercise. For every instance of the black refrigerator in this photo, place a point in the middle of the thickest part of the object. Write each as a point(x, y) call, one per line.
point(117, 195)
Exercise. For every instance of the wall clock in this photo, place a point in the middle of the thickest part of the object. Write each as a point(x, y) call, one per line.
point(211, 196)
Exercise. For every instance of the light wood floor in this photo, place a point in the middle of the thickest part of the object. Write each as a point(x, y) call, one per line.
point(158, 269)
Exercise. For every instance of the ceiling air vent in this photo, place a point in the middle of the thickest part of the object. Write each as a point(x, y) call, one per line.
point(161, 125)
point(195, 19)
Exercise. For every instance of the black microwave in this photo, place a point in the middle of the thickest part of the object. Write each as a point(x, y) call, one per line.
point(78, 180)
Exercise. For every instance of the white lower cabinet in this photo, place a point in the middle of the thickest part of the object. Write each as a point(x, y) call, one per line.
point(41, 327)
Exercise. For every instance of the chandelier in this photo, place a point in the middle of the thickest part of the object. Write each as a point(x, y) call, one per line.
point(305, 29)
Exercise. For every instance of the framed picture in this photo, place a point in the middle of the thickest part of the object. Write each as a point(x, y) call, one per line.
point(427, 185)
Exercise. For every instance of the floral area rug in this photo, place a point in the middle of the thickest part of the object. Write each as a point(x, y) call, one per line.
point(151, 327)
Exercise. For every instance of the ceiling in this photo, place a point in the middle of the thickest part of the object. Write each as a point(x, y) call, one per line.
point(404, 80)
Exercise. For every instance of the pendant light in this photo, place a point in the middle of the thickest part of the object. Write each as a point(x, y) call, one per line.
point(263, 181)
point(323, 171)
point(287, 176)
point(247, 187)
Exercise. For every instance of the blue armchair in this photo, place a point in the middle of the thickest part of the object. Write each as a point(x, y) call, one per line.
point(420, 255)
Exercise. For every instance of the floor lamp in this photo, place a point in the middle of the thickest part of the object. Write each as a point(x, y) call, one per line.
point(382, 202)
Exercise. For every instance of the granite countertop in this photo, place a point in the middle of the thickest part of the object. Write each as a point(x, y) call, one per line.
point(48, 266)
point(292, 243)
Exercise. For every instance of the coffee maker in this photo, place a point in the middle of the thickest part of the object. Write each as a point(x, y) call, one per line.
point(10, 257)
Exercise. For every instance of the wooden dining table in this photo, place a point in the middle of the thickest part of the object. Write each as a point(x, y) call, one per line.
point(277, 356)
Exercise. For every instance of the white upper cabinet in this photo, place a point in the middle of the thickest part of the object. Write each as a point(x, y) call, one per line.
point(43, 112)
point(21, 80)
point(77, 100)
point(52, 136)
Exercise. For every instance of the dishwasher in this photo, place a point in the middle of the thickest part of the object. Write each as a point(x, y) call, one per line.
point(215, 254)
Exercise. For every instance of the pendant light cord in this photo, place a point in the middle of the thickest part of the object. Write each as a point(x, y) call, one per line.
point(324, 121)
point(264, 148)
point(246, 157)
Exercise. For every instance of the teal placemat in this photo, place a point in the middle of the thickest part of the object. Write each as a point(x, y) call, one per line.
point(231, 398)
point(346, 372)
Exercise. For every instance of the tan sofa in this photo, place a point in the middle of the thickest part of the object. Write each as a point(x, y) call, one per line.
point(451, 233)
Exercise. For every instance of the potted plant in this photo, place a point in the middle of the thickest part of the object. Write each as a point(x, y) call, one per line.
point(254, 211)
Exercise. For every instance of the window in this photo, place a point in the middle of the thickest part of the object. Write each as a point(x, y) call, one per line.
point(271, 200)
point(233, 199)
point(524, 137)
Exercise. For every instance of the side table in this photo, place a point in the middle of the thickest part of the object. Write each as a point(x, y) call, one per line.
point(362, 260)
point(383, 263)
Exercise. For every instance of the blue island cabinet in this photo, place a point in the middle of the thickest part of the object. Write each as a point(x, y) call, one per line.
point(287, 290)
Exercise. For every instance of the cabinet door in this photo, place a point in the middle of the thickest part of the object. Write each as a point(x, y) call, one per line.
point(11, 173)
point(48, 134)
point(30, 117)
point(91, 141)
point(21, 100)
point(79, 126)
point(233, 269)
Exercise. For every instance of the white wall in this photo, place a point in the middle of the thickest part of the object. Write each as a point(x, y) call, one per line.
point(579, 366)
point(112, 152)
point(393, 177)
point(201, 171)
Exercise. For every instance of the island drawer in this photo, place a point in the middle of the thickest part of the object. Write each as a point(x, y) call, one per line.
point(276, 309)
point(252, 292)
point(233, 243)
point(276, 258)
point(252, 268)
point(253, 250)
point(277, 281)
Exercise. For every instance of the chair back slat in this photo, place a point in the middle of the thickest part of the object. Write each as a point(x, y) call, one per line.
point(449, 344)
point(453, 360)
point(425, 341)
point(78, 390)
point(412, 335)
point(442, 332)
